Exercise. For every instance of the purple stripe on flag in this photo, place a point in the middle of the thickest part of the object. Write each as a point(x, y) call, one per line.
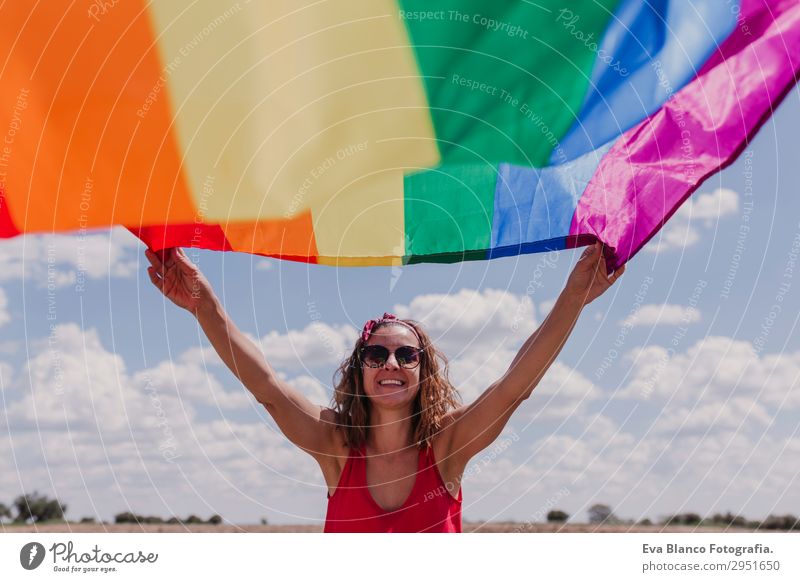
point(654, 167)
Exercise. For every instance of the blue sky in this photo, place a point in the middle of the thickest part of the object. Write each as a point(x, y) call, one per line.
point(113, 400)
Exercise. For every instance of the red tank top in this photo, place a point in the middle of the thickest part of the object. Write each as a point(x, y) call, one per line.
point(429, 508)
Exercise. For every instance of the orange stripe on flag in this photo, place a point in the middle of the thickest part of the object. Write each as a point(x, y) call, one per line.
point(292, 237)
point(84, 91)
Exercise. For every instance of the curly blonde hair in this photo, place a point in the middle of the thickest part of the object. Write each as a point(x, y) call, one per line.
point(436, 395)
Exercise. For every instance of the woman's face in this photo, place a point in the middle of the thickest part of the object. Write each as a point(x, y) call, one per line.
point(381, 384)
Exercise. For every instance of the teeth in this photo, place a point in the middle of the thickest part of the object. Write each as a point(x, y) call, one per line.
point(395, 382)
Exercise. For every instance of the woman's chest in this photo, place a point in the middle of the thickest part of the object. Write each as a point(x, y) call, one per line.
point(390, 482)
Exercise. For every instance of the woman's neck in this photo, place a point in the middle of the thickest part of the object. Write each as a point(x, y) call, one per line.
point(390, 431)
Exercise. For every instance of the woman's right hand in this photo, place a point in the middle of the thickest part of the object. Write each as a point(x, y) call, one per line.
point(179, 279)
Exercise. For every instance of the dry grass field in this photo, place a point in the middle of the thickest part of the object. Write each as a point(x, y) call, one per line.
point(469, 527)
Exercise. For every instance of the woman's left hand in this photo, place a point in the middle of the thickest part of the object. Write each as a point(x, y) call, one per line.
point(589, 278)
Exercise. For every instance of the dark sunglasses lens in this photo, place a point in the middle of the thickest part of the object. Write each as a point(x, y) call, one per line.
point(407, 356)
point(375, 356)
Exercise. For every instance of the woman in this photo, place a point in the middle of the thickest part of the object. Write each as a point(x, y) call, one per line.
point(395, 445)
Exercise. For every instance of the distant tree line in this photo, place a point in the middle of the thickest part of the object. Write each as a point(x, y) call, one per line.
point(32, 508)
point(773, 522)
point(598, 513)
point(128, 517)
point(35, 508)
point(602, 514)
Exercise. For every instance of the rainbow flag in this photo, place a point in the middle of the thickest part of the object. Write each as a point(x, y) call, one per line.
point(380, 132)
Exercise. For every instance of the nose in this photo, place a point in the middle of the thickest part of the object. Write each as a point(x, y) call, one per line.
point(391, 363)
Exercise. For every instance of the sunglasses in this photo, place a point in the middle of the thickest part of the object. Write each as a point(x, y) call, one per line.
point(375, 356)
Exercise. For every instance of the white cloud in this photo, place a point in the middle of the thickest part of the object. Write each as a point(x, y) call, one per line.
point(193, 382)
point(192, 371)
point(6, 377)
point(580, 454)
point(641, 474)
point(312, 388)
point(201, 356)
point(116, 441)
point(470, 319)
point(675, 235)
point(683, 229)
point(474, 371)
point(73, 382)
point(709, 206)
point(717, 368)
point(562, 392)
point(58, 260)
point(5, 317)
point(713, 412)
point(318, 344)
point(663, 314)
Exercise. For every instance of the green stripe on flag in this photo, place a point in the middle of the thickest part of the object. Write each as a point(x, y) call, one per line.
point(505, 80)
point(449, 210)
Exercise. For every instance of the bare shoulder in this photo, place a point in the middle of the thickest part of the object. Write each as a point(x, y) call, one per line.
point(443, 441)
point(334, 444)
point(332, 459)
point(449, 463)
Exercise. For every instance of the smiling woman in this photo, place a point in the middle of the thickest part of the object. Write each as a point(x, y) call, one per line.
point(394, 364)
point(392, 399)
point(394, 446)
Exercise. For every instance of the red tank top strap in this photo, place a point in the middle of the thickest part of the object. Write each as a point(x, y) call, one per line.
point(350, 465)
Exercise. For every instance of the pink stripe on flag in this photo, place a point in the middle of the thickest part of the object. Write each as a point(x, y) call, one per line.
point(654, 167)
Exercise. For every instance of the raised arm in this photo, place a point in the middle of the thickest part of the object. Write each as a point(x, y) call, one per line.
point(307, 425)
point(473, 427)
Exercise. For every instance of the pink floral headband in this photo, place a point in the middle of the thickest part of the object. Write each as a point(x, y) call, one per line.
point(365, 333)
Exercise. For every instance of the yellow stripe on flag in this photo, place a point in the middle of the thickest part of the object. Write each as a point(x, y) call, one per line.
point(352, 229)
point(266, 93)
